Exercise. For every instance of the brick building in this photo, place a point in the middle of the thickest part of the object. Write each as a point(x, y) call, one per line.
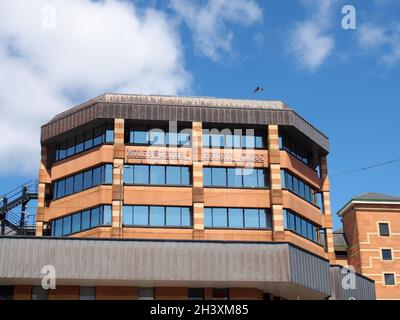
point(371, 232)
point(180, 198)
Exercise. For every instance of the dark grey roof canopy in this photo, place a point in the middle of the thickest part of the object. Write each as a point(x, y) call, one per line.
point(165, 108)
point(372, 196)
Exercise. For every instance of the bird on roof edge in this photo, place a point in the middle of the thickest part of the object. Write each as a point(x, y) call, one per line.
point(258, 90)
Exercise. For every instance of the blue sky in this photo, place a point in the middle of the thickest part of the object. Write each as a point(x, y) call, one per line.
point(345, 82)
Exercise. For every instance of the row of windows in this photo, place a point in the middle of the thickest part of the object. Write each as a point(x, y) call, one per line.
point(235, 177)
point(298, 187)
point(81, 221)
point(237, 218)
point(300, 226)
point(87, 140)
point(157, 175)
point(83, 180)
point(157, 216)
point(147, 135)
point(298, 150)
point(233, 138)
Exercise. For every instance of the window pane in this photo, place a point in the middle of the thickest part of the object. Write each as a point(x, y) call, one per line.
point(220, 217)
point(173, 175)
point(386, 254)
point(76, 222)
point(384, 229)
point(298, 224)
point(85, 219)
point(141, 215)
point(289, 181)
point(184, 139)
point(251, 218)
point(260, 178)
point(127, 215)
point(157, 137)
point(66, 225)
point(171, 138)
point(88, 139)
point(87, 293)
point(58, 231)
point(237, 141)
point(250, 178)
point(206, 140)
point(97, 179)
point(301, 189)
point(186, 218)
point(128, 175)
point(38, 293)
point(146, 293)
point(185, 175)
point(235, 218)
point(304, 228)
point(207, 176)
point(141, 174)
point(61, 188)
point(157, 175)
point(98, 136)
point(62, 153)
point(259, 142)
point(389, 279)
point(207, 217)
point(217, 140)
point(108, 175)
point(157, 216)
point(69, 186)
point(140, 137)
point(295, 185)
point(107, 215)
point(78, 181)
point(87, 179)
point(173, 216)
point(265, 219)
point(235, 177)
point(71, 147)
point(309, 231)
point(196, 294)
point(285, 219)
point(95, 218)
point(109, 133)
point(218, 176)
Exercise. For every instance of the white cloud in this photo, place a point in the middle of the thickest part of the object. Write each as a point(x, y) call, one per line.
point(210, 22)
point(95, 47)
point(310, 41)
point(385, 38)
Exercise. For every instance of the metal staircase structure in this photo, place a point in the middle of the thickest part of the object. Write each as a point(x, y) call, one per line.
point(13, 222)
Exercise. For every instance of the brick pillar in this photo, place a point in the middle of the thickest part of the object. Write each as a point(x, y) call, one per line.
point(118, 170)
point(43, 187)
point(198, 189)
point(275, 183)
point(326, 205)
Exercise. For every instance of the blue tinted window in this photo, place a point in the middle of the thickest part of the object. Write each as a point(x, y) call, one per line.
point(80, 139)
point(304, 228)
point(76, 222)
point(235, 177)
point(236, 218)
point(88, 139)
point(61, 188)
point(295, 185)
point(298, 224)
point(157, 175)
point(220, 217)
point(127, 215)
point(251, 218)
point(291, 224)
point(186, 217)
point(218, 177)
point(107, 216)
point(217, 140)
point(171, 138)
point(97, 179)
point(58, 230)
point(265, 219)
point(206, 140)
point(185, 175)
point(157, 216)
point(66, 225)
point(87, 179)
point(207, 217)
point(173, 216)
point(173, 175)
point(157, 137)
point(108, 174)
point(95, 217)
point(70, 147)
point(141, 174)
point(140, 215)
point(128, 175)
point(184, 139)
point(207, 176)
point(69, 186)
point(85, 219)
point(260, 178)
point(62, 153)
point(140, 137)
point(250, 178)
point(259, 142)
point(78, 182)
point(98, 136)
point(109, 133)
